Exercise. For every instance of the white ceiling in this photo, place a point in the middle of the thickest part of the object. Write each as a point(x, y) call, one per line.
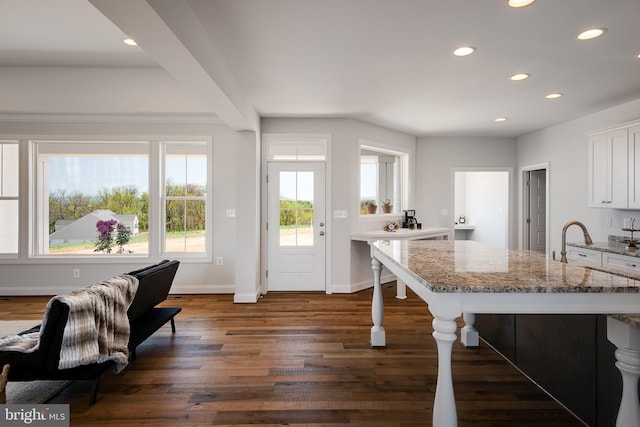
point(380, 61)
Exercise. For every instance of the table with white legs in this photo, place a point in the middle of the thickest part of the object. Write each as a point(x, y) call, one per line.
point(464, 278)
point(423, 233)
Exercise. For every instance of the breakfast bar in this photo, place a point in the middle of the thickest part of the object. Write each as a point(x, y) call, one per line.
point(466, 278)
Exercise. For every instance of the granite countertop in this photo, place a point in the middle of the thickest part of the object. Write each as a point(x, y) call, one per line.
point(614, 245)
point(468, 266)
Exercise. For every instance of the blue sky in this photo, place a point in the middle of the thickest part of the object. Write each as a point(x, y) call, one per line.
point(89, 175)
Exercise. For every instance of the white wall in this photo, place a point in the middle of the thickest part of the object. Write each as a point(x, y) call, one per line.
point(487, 206)
point(349, 261)
point(435, 159)
point(565, 147)
point(53, 276)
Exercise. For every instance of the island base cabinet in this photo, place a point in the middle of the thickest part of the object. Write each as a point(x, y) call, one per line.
point(559, 353)
point(569, 356)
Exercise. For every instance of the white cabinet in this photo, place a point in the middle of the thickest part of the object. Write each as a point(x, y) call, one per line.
point(608, 169)
point(634, 167)
point(627, 264)
point(588, 257)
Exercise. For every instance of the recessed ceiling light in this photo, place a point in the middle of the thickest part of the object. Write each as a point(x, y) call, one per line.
point(519, 76)
point(130, 42)
point(519, 3)
point(591, 33)
point(554, 95)
point(464, 50)
point(500, 119)
point(638, 56)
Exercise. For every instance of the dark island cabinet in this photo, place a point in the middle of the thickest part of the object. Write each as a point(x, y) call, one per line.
point(567, 355)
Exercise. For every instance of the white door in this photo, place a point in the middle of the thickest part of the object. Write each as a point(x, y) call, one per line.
point(296, 227)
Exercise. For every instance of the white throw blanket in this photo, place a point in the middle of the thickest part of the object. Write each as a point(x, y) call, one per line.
point(97, 327)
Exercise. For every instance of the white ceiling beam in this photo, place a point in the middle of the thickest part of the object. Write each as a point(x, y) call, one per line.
point(171, 34)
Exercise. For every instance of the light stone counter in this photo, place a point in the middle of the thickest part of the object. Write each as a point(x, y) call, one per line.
point(462, 278)
point(614, 245)
point(468, 266)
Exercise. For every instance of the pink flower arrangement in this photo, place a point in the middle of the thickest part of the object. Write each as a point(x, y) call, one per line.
point(111, 233)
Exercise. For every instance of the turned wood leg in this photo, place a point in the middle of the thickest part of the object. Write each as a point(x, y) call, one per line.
point(627, 340)
point(401, 289)
point(628, 362)
point(469, 334)
point(444, 406)
point(377, 307)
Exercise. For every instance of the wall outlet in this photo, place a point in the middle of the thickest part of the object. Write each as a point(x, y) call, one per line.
point(608, 221)
point(219, 260)
point(76, 273)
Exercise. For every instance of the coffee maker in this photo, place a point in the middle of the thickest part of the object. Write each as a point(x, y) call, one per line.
point(409, 219)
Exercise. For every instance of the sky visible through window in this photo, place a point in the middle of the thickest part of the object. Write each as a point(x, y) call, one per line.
point(90, 175)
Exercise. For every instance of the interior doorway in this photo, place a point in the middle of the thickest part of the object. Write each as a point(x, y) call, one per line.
point(481, 206)
point(535, 212)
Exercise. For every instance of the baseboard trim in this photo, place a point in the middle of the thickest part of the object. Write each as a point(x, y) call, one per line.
point(360, 286)
point(175, 289)
point(246, 298)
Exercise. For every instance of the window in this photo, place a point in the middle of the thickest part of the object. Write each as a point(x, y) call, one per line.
point(383, 180)
point(85, 184)
point(185, 197)
point(98, 198)
point(9, 197)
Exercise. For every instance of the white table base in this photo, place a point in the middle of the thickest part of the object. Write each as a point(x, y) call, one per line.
point(445, 312)
point(627, 340)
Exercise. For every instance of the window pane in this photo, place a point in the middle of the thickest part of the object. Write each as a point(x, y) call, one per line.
point(296, 208)
point(9, 170)
point(288, 149)
point(186, 169)
point(185, 226)
point(382, 180)
point(93, 189)
point(8, 226)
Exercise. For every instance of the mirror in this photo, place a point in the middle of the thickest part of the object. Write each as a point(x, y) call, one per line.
point(381, 180)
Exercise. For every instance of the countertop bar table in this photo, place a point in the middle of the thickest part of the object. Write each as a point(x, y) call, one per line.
point(404, 234)
point(467, 277)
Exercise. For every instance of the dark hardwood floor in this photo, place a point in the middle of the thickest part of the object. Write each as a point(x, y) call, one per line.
point(299, 359)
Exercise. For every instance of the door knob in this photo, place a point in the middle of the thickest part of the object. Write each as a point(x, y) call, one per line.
point(322, 233)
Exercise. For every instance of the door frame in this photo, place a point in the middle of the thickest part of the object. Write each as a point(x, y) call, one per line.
point(522, 204)
point(264, 243)
point(510, 202)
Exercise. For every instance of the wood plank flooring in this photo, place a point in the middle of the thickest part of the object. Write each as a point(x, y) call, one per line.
point(299, 359)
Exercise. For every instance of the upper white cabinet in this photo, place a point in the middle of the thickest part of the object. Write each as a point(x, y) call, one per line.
point(609, 169)
point(634, 167)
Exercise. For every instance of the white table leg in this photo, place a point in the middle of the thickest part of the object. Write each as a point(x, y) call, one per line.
point(444, 405)
point(401, 289)
point(627, 340)
point(628, 362)
point(469, 334)
point(377, 307)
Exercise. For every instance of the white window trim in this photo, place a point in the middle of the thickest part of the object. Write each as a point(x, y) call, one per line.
point(406, 156)
point(18, 197)
point(28, 203)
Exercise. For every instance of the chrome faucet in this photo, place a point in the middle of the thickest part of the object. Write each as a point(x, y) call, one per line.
point(587, 238)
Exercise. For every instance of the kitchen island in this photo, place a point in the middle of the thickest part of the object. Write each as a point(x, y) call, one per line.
point(466, 277)
point(424, 233)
